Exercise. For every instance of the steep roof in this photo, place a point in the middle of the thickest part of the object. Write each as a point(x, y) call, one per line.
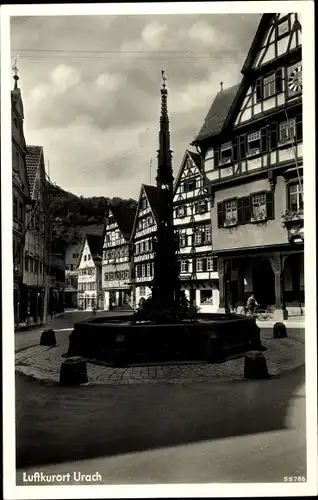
point(95, 244)
point(196, 158)
point(32, 160)
point(125, 217)
point(218, 113)
point(153, 195)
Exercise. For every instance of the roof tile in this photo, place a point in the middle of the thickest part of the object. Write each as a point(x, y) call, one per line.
point(33, 157)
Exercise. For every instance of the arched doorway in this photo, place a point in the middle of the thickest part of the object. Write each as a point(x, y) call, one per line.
point(263, 282)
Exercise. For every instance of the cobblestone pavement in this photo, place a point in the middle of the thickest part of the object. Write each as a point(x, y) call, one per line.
point(44, 363)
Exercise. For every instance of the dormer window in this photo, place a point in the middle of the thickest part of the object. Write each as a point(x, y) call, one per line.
point(253, 143)
point(226, 152)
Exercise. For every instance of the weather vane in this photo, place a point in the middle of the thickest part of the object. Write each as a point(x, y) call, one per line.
point(164, 78)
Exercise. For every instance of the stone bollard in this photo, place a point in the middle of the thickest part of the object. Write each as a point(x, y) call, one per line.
point(73, 371)
point(279, 331)
point(48, 337)
point(255, 366)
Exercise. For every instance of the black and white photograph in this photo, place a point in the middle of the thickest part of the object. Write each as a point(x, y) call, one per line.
point(158, 294)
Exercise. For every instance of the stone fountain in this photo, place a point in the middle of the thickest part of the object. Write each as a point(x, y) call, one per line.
point(167, 327)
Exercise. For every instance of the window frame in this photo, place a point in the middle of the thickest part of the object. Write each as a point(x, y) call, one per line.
point(286, 124)
point(298, 194)
point(224, 161)
point(232, 222)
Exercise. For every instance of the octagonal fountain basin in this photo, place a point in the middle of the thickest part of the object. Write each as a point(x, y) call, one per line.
point(120, 341)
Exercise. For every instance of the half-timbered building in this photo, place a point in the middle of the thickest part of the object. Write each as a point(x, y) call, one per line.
point(251, 145)
point(192, 223)
point(89, 294)
point(117, 262)
point(142, 239)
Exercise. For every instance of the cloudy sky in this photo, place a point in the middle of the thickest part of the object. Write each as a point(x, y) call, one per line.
point(91, 89)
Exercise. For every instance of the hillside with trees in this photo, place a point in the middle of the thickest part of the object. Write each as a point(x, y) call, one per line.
point(73, 215)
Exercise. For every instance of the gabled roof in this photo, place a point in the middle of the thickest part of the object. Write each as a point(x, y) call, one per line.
point(95, 244)
point(195, 157)
point(218, 113)
point(260, 32)
point(124, 217)
point(153, 195)
point(32, 160)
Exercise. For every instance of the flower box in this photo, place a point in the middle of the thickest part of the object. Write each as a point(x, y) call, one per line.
point(230, 222)
point(291, 217)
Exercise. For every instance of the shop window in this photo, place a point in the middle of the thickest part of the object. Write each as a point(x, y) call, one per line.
point(206, 297)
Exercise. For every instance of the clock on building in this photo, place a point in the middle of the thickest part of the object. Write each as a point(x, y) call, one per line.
point(294, 79)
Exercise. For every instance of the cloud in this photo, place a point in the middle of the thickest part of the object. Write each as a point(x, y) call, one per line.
point(93, 100)
point(64, 77)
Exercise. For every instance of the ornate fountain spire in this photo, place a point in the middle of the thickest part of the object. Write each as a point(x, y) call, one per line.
point(16, 71)
point(164, 171)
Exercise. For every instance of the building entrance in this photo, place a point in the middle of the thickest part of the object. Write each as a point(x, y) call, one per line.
point(263, 282)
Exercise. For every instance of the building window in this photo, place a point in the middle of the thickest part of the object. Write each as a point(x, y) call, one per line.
point(210, 264)
point(230, 208)
point(189, 185)
point(148, 271)
point(287, 131)
point(110, 220)
point(269, 85)
point(111, 276)
point(181, 211)
point(183, 240)
point(295, 197)
point(197, 237)
point(31, 265)
point(143, 270)
point(106, 276)
point(201, 265)
point(74, 255)
point(84, 257)
point(206, 297)
point(201, 206)
point(142, 291)
point(126, 275)
point(89, 257)
point(146, 246)
point(207, 234)
point(226, 152)
point(258, 205)
point(253, 143)
point(184, 266)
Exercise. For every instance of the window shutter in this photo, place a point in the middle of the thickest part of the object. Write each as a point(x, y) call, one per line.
point(274, 135)
point(270, 205)
point(220, 210)
point(278, 80)
point(264, 140)
point(246, 208)
point(243, 147)
point(259, 89)
point(240, 210)
point(235, 149)
point(299, 128)
point(216, 157)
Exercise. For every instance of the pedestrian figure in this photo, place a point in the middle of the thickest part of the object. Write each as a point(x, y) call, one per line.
point(251, 304)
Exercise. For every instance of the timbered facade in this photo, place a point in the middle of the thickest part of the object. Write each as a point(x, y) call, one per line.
point(251, 145)
point(192, 222)
point(117, 263)
point(89, 294)
point(143, 233)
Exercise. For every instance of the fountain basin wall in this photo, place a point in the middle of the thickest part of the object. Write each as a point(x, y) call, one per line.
point(120, 341)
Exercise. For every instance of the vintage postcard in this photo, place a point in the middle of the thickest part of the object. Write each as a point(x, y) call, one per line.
point(159, 297)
